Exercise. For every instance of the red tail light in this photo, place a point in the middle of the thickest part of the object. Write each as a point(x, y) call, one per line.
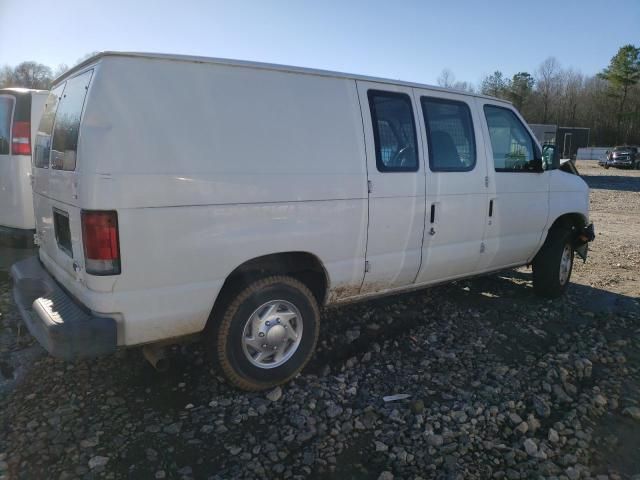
point(21, 138)
point(101, 242)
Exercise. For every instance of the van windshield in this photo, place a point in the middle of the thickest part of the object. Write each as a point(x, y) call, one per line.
point(6, 111)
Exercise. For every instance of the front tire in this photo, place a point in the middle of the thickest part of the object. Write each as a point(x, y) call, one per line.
point(267, 333)
point(553, 264)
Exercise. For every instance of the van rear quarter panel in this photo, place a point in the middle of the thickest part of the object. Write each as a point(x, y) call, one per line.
point(212, 165)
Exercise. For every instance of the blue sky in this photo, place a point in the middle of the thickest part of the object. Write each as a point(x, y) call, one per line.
point(408, 40)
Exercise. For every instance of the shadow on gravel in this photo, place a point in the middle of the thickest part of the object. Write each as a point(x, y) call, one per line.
point(613, 182)
point(508, 296)
point(617, 444)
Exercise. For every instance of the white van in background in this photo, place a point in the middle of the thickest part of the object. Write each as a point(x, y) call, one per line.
point(177, 195)
point(20, 112)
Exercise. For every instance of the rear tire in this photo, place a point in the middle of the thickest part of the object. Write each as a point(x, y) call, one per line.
point(553, 264)
point(267, 333)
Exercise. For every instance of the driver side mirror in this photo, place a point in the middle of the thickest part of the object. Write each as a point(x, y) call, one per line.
point(550, 157)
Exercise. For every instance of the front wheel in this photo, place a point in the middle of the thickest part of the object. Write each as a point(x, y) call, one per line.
point(267, 333)
point(553, 264)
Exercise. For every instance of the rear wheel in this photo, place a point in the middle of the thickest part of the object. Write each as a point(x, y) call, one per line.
point(267, 333)
point(553, 264)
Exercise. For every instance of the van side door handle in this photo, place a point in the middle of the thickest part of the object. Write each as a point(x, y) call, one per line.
point(491, 208)
point(432, 231)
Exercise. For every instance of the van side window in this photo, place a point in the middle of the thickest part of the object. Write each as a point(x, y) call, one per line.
point(6, 113)
point(394, 131)
point(513, 148)
point(64, 145)
point(43, 137)
point(452, 143)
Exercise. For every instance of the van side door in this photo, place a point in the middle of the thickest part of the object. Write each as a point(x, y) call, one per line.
point(519, 190)
point(456, 200)
point(395, 173)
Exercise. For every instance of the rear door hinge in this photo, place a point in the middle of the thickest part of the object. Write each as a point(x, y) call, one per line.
point(367, 266)
point(486, 181)
point(482, 247)
point(369, 186)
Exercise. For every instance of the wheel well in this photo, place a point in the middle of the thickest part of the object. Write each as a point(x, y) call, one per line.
point(571, 220)
point(302, 266)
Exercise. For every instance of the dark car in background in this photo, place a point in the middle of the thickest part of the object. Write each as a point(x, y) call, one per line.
point(623, 157)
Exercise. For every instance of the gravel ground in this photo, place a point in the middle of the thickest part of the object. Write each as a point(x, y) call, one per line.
point(500, 384)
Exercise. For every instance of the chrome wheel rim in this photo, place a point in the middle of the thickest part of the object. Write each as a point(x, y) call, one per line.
point(565, 264)
point(272, 334)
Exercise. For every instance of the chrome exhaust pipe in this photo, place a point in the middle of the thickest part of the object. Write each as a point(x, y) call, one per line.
point(156, 355)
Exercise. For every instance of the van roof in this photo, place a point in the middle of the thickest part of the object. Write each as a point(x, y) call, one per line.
point(267, 66)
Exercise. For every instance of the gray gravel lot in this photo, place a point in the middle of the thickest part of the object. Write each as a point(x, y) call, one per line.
point(502, 385)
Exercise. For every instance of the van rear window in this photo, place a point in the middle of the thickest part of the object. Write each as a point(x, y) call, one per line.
point(43, 138)
point(394, 131)
point(6, 112)
point(64, 144)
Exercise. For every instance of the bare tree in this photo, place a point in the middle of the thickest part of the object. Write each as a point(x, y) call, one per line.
point(27, 75)
point(571, 85)
point(548, 85)
point(6, 76)
point(464, 86)
point(60, 69)
point(86, 56)
point(446, 78)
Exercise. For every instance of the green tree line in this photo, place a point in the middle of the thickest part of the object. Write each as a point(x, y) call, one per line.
point(608, 103)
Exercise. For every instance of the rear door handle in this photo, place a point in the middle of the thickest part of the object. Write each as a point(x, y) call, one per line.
point(491, 208)
point(432, 231)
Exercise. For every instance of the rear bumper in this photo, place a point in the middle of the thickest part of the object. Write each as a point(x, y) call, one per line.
point(64, 328)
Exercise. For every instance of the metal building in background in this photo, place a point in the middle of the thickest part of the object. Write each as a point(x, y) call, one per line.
point(568, 139)
point(546, 134)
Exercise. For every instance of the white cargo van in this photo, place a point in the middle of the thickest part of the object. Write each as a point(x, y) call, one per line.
point(177, 195)
point(20, 112)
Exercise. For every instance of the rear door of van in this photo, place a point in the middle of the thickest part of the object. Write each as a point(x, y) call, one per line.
point(56, 174)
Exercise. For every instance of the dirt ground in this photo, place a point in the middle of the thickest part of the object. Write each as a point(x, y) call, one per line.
point(501, 384)
point(614, 263)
